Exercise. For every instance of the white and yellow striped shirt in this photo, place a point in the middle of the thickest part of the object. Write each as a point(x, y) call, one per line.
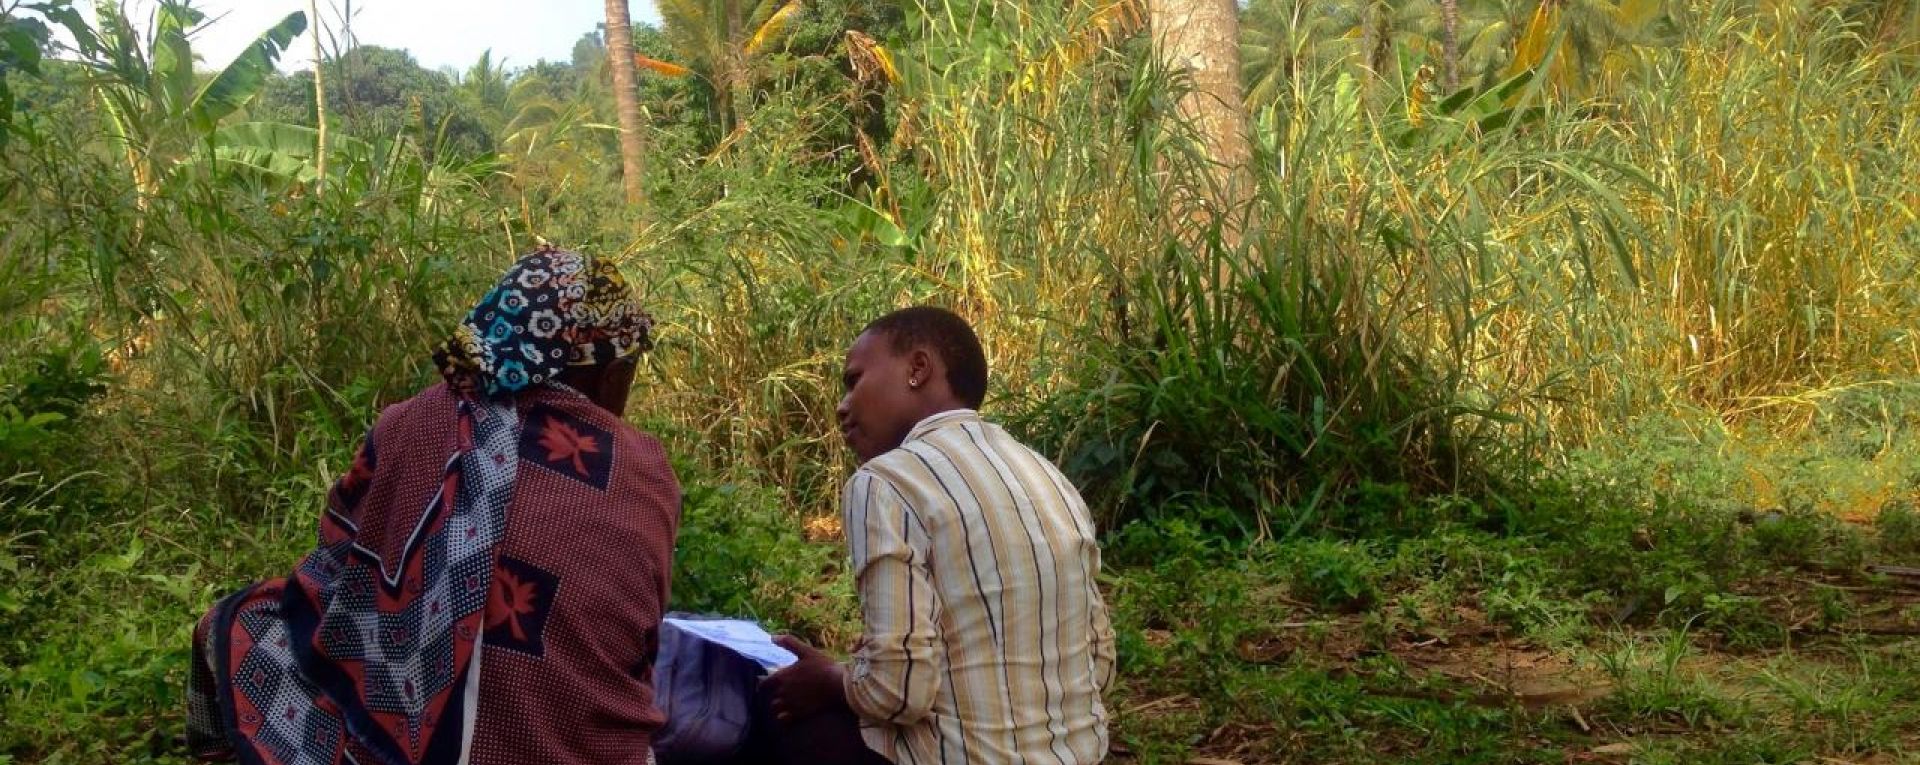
point(986, 638)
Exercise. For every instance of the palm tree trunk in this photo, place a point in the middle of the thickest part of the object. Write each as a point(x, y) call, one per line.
point(723, 92)
point(1202, 38)
point(1380, 40)
point(319, 103)
point(1450, 40)
point(626, 96)
point(736, 61)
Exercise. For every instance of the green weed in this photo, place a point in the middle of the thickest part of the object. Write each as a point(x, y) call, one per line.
point(1899, 528)
point(1331, 574)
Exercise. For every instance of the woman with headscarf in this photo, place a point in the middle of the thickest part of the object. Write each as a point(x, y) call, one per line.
point(491, 571)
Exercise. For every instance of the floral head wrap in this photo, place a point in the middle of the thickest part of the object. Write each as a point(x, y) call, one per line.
point(553, 309)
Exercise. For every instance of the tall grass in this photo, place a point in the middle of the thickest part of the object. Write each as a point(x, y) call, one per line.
point(991, 200)
point(249, 326)
point(1429, 291)
point(1429, 294)
point(1424, 291)
point(1787, 239)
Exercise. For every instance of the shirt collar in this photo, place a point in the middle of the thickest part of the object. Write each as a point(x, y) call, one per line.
point(941, 420)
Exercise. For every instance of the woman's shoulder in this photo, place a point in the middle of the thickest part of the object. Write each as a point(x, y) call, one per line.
point(565, 416)
point(430, 400)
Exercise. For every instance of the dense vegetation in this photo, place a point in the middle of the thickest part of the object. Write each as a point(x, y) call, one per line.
point(1546, 389)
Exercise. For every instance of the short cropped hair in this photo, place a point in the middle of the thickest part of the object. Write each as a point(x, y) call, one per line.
point(945, 333)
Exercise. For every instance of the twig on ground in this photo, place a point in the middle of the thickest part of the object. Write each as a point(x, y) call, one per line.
point(1159, 702)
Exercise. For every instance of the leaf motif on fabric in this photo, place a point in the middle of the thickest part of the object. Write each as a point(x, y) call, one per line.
point(563, 443)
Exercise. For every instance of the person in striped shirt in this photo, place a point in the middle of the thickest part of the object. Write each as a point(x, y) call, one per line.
point(986, 638)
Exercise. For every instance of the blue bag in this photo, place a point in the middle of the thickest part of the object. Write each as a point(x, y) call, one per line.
point(706, 691)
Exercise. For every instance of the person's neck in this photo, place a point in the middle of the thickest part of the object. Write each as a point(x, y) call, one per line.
point(933, 410)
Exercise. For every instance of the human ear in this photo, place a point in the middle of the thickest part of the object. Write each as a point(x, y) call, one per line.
point(920, 368)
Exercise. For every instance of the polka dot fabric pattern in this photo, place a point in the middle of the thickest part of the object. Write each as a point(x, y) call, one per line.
point(462, 604)
point(592, 549)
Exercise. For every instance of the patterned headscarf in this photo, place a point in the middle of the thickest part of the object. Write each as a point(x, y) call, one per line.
point(553, 309)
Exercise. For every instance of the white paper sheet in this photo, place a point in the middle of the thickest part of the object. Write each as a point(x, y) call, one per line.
point(742, 637)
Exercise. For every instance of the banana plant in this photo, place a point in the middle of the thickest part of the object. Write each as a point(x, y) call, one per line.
point(288, 154)
point(1471, 112)
point(147, 87)
point(280, 151)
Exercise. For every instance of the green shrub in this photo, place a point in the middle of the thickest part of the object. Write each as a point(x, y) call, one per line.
point(1807, 539)
point(1899, 527)
point(1274, 398)
point(1333, 574)
point(1836, 609)
point(1195, 536)
point(1787, 538)
point(739, 554)
point(1181, 595)
point(1741, 622)
point(1651, 684)
point(1526, 596)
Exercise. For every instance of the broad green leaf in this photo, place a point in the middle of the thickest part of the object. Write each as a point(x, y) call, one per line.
point(173, 55)
point(246, 75)
point(84, 38)
point(134, 553)
point(1454, 102)
point(888, 233)
point(1505, 117)
point(274, 137)
point(18, 48)
point(280, 149)
point(1503, 93)
point(82, 684)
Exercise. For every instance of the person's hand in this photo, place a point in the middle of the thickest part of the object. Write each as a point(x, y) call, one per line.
point(812, 685)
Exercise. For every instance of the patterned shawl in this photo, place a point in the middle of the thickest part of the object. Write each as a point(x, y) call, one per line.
point(369, 652)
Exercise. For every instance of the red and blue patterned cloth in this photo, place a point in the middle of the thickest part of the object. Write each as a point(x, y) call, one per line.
point(486, 588)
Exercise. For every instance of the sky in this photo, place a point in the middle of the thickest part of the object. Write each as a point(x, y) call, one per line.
point(439, 33)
